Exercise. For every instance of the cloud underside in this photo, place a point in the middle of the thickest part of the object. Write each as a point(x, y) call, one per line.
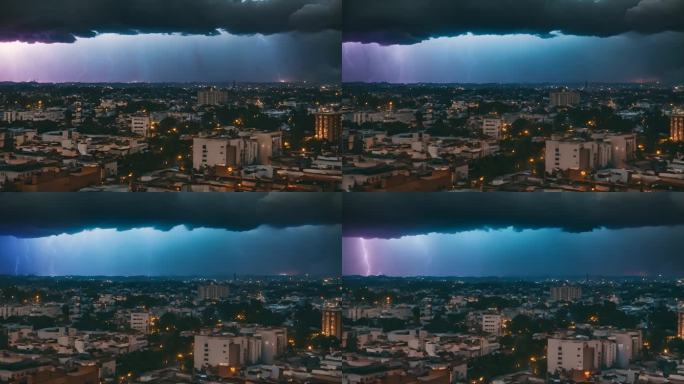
point(397, 215)
point(411, 21)
point(66, 20)
point(39, 215)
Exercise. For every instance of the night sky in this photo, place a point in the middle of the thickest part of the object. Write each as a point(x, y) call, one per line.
point(170, 40)
point(513, 235)
point(170, 234)
point(513, 41)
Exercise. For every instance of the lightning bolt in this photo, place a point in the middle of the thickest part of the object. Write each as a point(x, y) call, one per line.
point(366, 256)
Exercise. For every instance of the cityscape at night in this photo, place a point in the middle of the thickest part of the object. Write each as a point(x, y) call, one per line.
point(120, 290)
point(520, 96)
point(513, 288)
point(341, 192)
point(198, 96)
point(582, 137)
point(173, 137)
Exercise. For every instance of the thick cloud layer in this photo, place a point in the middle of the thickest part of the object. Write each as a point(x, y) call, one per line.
point(62, 21)
point(397, 215)
point(412, 21)
point(38, 215)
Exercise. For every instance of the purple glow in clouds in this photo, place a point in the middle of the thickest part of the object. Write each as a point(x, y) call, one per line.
point(172, 58)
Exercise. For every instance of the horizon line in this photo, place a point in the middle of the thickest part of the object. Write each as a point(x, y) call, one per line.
point(28, 82)
point(584, 276)
point(668, 84)
point(172, 276)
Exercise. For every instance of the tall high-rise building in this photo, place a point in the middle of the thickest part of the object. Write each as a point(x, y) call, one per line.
point(564, 98)
point(211, 96)
point(212, 292)
point(680, 323)
point(566, 293)
point(677, 126)
point(331, 322)
point(329, 126)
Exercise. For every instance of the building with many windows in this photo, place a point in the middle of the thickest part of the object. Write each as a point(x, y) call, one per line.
point(225, 350)
point(605, 348)
point(492, 127)
point(141, 124)
point(141, 322)
point(331, 322)
point(577, 155)
point(677, 126)
point(212, 292)
point(212, 96)
point(566, 293)
point(328, 126)
point(564, 98)
point(492, 323)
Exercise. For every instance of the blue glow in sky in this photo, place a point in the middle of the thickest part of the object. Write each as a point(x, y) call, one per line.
point(179, 251)
point(175, 58)
point(518, 59)
point(507, 252)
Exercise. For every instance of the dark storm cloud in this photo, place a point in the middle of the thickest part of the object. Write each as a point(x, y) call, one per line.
point(63, 21)
point(38, 215)
point(412, 21)
point(396, 215)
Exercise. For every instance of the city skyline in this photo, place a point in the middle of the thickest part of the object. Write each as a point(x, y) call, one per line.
point(208, 236)
point(247, 41)
point(342, 191)
point(513, 236)
point(513, 42)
